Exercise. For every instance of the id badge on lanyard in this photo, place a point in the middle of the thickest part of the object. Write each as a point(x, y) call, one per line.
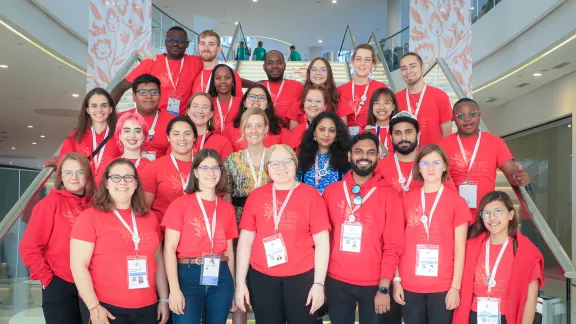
point(351, 237)
point(174, 100)
point(276, 253)
point(150, 155)
point(488, 310)
point(469, 191)
point(210, 270)
point(137, 273)
point(427, 257)
point(353, 130)
point(174, 105)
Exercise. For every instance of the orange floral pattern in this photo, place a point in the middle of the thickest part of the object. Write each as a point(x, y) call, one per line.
point(442, 28)
point(117, 29)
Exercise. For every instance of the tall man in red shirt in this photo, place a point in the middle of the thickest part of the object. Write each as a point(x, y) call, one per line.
point(474, 156)
point(430, 105)
point(367, 240)
point(175, 70)
point(283, 91)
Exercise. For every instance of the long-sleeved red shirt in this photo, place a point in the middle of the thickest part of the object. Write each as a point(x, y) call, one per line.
point(45, 246)
point(382, 219)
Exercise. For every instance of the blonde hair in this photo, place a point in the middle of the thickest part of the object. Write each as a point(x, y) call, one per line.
point(249, 113)
point(271, 149)
point(426, 150)
point(210, 33)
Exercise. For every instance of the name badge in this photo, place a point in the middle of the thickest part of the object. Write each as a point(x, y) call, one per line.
point(427, 260)
point(210, 270)
point(383, 155)
point(470, 193)
point(275, 250)
point(353, 130)
point(174, 105)
point(137, 273)
point(488, 310)
point(150, 155)
point(351, 237)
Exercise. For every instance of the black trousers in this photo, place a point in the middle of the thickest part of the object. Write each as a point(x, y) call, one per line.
point(426, 308)
point(144, 315)
point(281, 300)
point(60, 302)
point(343, 297)
point(474, 318)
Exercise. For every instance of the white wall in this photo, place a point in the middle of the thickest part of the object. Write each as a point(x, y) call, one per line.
point(72, 14)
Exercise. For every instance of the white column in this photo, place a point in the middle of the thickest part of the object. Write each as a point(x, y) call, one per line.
point(313, 52)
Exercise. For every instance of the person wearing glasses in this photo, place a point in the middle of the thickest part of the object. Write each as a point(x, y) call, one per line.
point(383, 105)
point(475, 156)
point(116, 256)
point(175, 68)
point(198, 249)
point(258, 97)
point(503, 270)
point(45, 246)
point(429, 276)
point(201, 112)
point(223, 89)
point(284, 246)
point(313, 104)
point(167, 178)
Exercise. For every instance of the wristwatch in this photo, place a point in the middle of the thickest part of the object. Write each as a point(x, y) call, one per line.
point(383, 290)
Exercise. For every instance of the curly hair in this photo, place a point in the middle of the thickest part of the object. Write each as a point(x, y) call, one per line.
point(275, 123)
point(338, 150)
point(212, 91)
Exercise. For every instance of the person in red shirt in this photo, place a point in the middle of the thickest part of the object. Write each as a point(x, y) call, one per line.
point(45, 246)
point(199, 229)
point(501, 264)
point(383, 105)
point(95, 127)
point(474, 156)
point(429, 104)
point(222, 87)
point(166, 178)
point(355, 93)
point(366, 242)
point(284, 246)
point(116, 255)
point(175, 69)
point(201, 112)
point(318, 74)
point(284, 92)
point(258, 97)
point(314, 103)
point(429, 275)
point(209, 50)
point(146, 95)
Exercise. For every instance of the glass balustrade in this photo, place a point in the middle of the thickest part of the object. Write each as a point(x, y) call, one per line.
point(481, 7)
point(393, 47)
point(347, 46)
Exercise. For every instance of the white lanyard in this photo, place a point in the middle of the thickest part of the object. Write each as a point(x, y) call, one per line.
point(175, 85)
point(137, 163)
point(184, 182)
point(279, 91)
point(362, 99)
point(210, 229)
point(134, 233)
point(417, 104)
point(257, 181)
point(490, 277)
point(222, 117)
point(278, 214)
point(401, 179)
point(205, 86)
point(151, 132)
point(319, 174)
point(473, 157)
point(203, 141)
point(378, 128)
point(98, 158)
point(350, 203)
point(426, 221)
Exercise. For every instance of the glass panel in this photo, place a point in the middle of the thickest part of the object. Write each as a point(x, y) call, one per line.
point(379, 72)
point(436, 78)
point(161, 23)
point(347, 46)
point(394, 47)
point(481, 7)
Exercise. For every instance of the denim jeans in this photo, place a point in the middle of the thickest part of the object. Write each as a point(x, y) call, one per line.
point(212, 301)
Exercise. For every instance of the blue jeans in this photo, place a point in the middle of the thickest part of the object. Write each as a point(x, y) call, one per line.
point(212, 301)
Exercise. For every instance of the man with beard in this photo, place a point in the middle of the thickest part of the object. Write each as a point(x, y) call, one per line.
point(283, 91)
point(474, 156)
point(430, 105)
point(175, 69)
point(396, 169)
point(367, 240)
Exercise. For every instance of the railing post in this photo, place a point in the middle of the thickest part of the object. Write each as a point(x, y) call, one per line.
point(231, 49)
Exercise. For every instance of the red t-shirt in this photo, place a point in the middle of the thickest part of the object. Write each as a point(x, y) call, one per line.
point(144, 162)
point(228, 115)
point(199, 87)
point(159, 142)
point(234, 135)
point(295, 113)
point(109, 151)
point(112, 247)
point(450, 213)
point(304, 215)
point(217, 142)
point(162, 179)
point(347, 105)
point(435, 111)
point(290, 93)
point(382, 233)
point(185, 216)
point(503, 275)
point(385, 139)
point(297, 134)
point(192, 66)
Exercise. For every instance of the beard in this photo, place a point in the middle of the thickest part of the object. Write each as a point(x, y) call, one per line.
point(405, 150)
point(363, 172)
point(207, 56)
point(275, 79)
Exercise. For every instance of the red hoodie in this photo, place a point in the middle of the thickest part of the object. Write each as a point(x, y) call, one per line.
point(382, 218)
point(45, 246)
point(527, 257)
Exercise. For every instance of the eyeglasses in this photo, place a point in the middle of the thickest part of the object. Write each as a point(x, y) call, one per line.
point(78, 174)
point(312, 102)
point(357, 199)
point(253, 97)
point(497, 212)
point(203, 108)
point(316, 70)
point(426, 164)
point(177, 40)
point(471, 114)
point(145, 92)
point(276, 164)
point(117, 178)
point(215, 169)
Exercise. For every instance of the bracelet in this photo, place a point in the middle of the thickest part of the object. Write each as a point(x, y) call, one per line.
point(163, 300)
point(93, 308)
point(319, 283)
point(458, 290)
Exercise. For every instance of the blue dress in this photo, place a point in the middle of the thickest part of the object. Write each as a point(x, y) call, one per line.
point(310, 178)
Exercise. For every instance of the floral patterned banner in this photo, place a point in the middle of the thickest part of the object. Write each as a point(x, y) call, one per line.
point(443, 28)
point(117, 29)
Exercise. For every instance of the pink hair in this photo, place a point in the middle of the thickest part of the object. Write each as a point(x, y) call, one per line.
point(137, 119)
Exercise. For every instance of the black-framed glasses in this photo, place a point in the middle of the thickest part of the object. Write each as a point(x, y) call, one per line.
point(215, 169)
point(253, 97)
point(357, 199)
point(471, 114)
point(117, 178)
point(497, 212)
point(177, 40)
point(145, 92)
point(276, 164)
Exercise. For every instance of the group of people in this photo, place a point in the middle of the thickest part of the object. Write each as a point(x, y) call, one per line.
point(289, 199)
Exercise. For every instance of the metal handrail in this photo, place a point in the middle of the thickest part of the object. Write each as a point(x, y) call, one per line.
point(348, 30)
point(176, 21)
point(397, 33)
point(231, 48)
point(391, 84)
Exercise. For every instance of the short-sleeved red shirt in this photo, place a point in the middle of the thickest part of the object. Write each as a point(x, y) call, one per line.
point(228, 115)
point(159, 142)
point(347, 105)
point(297, 134)
point(234, 135)
point(217, 142)
point(205, 74)
point(384, 137)
point(290, 93)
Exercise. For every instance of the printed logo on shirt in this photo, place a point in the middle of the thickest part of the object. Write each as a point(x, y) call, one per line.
point(72, 215)
point(197, 226)
point(127, 237)
point(288, 219)
point(414, 218)
point(344, 209)
point(165, 82)
point(461, 165)
point(176, 182)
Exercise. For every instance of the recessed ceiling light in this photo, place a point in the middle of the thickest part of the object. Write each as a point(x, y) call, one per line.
point(334, 1)
point(75, 95)
point(569, 125)
point(471, 8)
point(255, 0)
point(537, 74)
point(33, 143)
point(10, 162)
point(319, 41)
point(13, 148)
point(4, 66)
point(42, 136)
point(30, 126)
point(235, 23)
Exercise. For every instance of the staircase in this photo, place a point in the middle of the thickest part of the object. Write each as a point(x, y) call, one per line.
point(254, 71)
